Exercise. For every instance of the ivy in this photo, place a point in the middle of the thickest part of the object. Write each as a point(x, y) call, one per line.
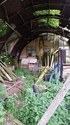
point(5, 57)
point(48, 21)
point(43, 12)
point(3, 28)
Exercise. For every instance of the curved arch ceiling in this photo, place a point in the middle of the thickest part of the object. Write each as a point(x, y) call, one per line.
point(20, 18)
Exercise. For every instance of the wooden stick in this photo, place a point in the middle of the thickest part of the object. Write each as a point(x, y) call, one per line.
point(7, 69)
point(3, 76)
point(3, 2)
point(18, 122)
point(55, 51)
point(55, 103)
point(14, 120)
point(42, 74)
point(18, 82)
point(13, 29)
point(5, 73)
point(8, 72)
point(1, 79)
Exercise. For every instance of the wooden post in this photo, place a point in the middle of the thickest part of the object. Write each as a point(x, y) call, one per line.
point(55, 103)
point(42, 74)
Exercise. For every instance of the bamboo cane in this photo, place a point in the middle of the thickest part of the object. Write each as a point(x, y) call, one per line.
point(3, 76)
point(1, 79)
point(42, 74)
point(8, 70)
point(5, 73)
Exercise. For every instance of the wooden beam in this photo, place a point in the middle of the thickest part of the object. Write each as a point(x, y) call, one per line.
point(55, 103)
point(5, 73)
point(15, 84)
point(42, 74)
point(24, 22)
point(3, 2)
point(5, 13)
point(18, 122)
point(11, 117)
point(13, 29)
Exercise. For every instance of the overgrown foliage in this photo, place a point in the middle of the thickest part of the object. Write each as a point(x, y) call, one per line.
point(3, 94)
point(3, 28)
point(34, 106)
point(22, 72)
point(48, 21)
point(5, 57)
point(43, 12)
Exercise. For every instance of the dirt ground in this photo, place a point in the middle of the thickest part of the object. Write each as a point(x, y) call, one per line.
point(14, 87)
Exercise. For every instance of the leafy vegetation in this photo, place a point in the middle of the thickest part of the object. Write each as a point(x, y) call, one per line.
point(34, 106)
point(22, 72)
point(5, 57)
point(43, 12)
point(3, 28)
point(10, 105)
point(3, 94)
point(48, 21)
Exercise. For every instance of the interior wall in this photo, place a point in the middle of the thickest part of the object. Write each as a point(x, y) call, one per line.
point(11, 45)
point(34, 43)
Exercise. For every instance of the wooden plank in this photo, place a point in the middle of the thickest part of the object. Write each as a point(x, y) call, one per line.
point(13, 29)
point(3, 2)
point(5, 73)
point(14, 120)
point(55, 103)
point(15, 84)
point(18, 122)
point(42, 74)
point(7, 69)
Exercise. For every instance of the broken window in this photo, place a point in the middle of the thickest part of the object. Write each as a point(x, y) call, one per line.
point(31, 51)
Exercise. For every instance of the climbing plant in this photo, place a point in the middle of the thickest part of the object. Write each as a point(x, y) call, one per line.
point(48, 21)
point(5, 57)
point(3, 28)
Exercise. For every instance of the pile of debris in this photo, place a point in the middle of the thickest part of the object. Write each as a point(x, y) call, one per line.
point(9, 79)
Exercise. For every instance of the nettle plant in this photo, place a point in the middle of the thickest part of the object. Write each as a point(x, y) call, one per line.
point(35, 106)
point(3, 94)
point(2, 112)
